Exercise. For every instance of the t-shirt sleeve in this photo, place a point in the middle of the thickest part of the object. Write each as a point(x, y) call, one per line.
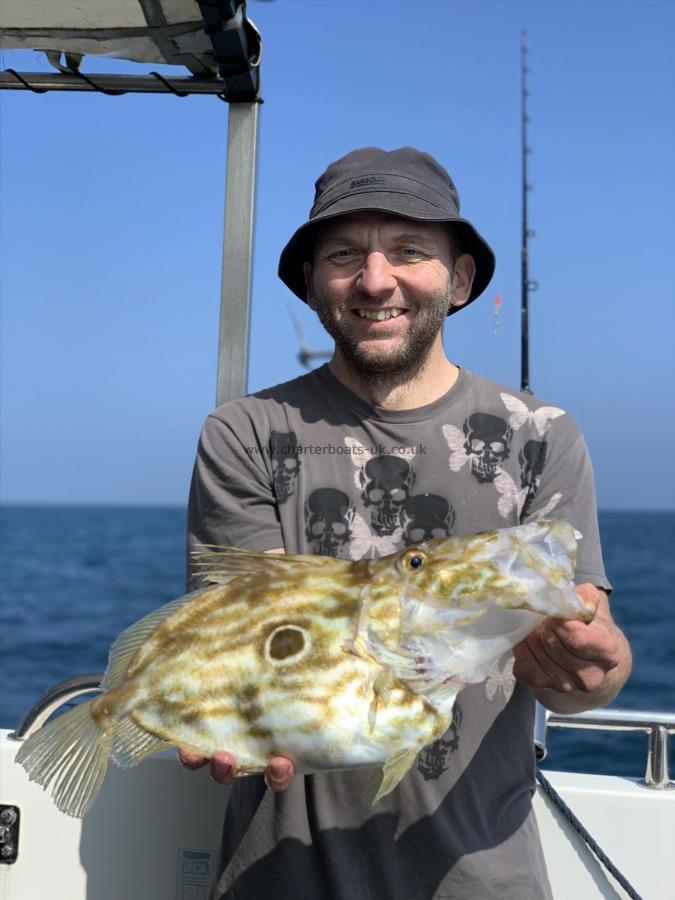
point(232, 501)
point(567, 491)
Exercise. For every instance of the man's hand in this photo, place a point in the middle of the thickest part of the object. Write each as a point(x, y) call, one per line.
point(572, 666)
point(278, 775)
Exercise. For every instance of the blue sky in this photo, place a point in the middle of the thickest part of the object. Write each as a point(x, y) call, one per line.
point(111, 225)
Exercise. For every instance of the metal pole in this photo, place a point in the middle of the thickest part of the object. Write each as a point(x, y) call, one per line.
point(122, 84)
point(540, 720)
point(235, 290)
point(524, 277)
point(656, 775)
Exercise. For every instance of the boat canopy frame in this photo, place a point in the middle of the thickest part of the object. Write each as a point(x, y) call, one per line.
point(237, 49)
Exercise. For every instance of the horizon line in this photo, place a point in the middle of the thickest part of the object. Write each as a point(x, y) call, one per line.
point(169, 504)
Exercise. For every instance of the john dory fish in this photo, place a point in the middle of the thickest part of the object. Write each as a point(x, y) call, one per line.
point(332, 663)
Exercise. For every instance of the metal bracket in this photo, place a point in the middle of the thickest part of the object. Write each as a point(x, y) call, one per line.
point(9, 834)
point(657, 725)
point(237, 47)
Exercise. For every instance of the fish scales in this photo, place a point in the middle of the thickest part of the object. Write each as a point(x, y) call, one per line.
point(333, 663)
point(254, 694)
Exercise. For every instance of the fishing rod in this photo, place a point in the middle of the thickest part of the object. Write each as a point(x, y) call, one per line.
point(526, 285)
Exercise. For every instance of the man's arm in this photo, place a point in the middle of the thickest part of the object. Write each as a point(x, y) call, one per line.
point(572, 666)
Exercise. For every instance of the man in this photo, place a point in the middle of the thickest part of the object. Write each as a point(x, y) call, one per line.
point(388, 445)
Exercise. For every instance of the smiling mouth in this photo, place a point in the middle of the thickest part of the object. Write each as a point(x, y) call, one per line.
point(379, 315)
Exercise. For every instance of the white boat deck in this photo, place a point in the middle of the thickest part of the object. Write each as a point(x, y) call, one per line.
point(634, 826)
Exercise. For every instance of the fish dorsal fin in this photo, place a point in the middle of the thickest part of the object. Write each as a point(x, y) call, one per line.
point(131, 639)
point(219, 565)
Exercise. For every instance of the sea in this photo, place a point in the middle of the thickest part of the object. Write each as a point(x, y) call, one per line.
point(73, 577)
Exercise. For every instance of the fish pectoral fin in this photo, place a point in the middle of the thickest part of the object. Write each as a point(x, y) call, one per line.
point(381, 693)
point(382, 685)
point(357, 647)
point(395, 767)
point(131, 744)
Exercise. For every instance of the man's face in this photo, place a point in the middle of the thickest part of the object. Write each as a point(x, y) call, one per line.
point(380, 285)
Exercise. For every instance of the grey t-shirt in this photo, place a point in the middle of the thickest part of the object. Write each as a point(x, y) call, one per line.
point(313, 468)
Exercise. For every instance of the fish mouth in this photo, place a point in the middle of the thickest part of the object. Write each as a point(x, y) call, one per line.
point(586, 613)
point(563, 604)
point(571, 606)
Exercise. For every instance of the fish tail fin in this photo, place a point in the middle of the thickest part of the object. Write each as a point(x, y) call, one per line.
point(70, 753)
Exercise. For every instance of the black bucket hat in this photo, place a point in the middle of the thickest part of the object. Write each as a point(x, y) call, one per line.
point(404, 182)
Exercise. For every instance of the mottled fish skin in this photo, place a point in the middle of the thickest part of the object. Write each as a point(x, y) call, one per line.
point(332, 663)
point(273, 677)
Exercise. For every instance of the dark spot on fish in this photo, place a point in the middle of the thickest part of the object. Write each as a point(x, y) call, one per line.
point(286, 642)
point(192, 718)
point(248, 703)
point(247, 695)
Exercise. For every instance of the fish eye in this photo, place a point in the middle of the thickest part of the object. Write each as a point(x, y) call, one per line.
point(413, 559)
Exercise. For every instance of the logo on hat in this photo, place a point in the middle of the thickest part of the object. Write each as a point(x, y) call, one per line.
point(367, 181)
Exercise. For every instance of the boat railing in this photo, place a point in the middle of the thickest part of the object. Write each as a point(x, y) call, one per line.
point(62, 693)
point(657, 725)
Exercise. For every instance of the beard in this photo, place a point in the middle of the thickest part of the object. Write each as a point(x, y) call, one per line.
point(392, 366)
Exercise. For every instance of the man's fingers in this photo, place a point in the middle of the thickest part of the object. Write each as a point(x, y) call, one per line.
point(592, 596)
point(583, 674)
point(594, 643)
point(223, 767)
point(536, 669)
point(191, 760)
point(565, 656)
point(279, 773)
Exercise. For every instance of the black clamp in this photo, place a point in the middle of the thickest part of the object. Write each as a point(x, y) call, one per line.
point(9, 834)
